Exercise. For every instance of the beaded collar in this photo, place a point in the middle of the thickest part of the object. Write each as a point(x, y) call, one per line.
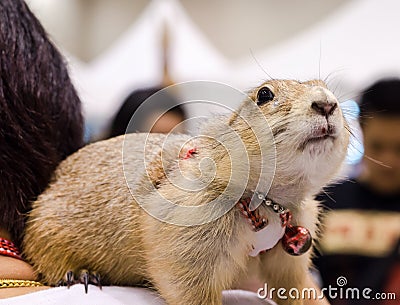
point(296, 240)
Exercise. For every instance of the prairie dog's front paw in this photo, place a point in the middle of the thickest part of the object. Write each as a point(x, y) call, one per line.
point(84, 277)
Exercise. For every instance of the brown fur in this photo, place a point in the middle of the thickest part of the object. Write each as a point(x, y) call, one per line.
point(88, 219)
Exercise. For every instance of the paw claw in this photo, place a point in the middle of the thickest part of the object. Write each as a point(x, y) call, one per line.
point(96, 280)
point(85, 278)
point(70, 279)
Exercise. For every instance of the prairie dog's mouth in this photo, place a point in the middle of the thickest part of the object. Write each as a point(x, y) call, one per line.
point(318, 138)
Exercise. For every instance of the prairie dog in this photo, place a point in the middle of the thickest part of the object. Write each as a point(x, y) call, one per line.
point(93, 215)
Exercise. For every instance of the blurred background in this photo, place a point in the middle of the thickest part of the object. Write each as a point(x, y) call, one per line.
point(115, 47)
point(121, 52)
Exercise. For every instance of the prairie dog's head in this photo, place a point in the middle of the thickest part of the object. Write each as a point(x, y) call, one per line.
point(308, 129)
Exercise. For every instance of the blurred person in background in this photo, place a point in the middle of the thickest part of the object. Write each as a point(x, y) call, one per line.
point(160, 114)
point(362, 228)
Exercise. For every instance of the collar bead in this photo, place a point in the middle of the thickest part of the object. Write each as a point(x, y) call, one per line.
point(296, 240)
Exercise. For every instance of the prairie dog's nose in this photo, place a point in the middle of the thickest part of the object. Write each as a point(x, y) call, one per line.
point(323, 101)
point(324, 108)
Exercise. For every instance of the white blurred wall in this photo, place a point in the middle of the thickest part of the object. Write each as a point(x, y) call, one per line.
point(114, 46)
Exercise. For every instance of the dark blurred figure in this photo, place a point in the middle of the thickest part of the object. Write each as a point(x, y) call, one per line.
point(361, 241)
point(40, 114)
point(160, 114)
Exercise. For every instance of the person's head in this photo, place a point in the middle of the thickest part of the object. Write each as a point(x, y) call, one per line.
point(380, 123)
point(152, 116)
point(40, 113)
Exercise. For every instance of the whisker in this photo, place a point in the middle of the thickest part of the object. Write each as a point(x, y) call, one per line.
point(339, 83)
point(259, 65)
point(348, 96)
point(319, 62)
point(350, 113)
point(330, 74)
point(361, 152)
point(377, 161)
point(347, 127)
point(353, 97)
point(329, 196)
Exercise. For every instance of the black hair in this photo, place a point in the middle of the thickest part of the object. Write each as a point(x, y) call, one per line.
point(40, 113)
point(161, 102)
point(381, 99)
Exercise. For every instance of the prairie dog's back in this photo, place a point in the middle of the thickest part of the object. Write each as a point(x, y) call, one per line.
point(90, 193)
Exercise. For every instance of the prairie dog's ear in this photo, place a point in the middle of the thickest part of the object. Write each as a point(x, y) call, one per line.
point(264, 95)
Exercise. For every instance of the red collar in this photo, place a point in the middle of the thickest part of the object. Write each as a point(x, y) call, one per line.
point(258, 221)
point(296, 240)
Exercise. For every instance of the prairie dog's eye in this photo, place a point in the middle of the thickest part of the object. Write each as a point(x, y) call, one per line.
point(264, 95)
